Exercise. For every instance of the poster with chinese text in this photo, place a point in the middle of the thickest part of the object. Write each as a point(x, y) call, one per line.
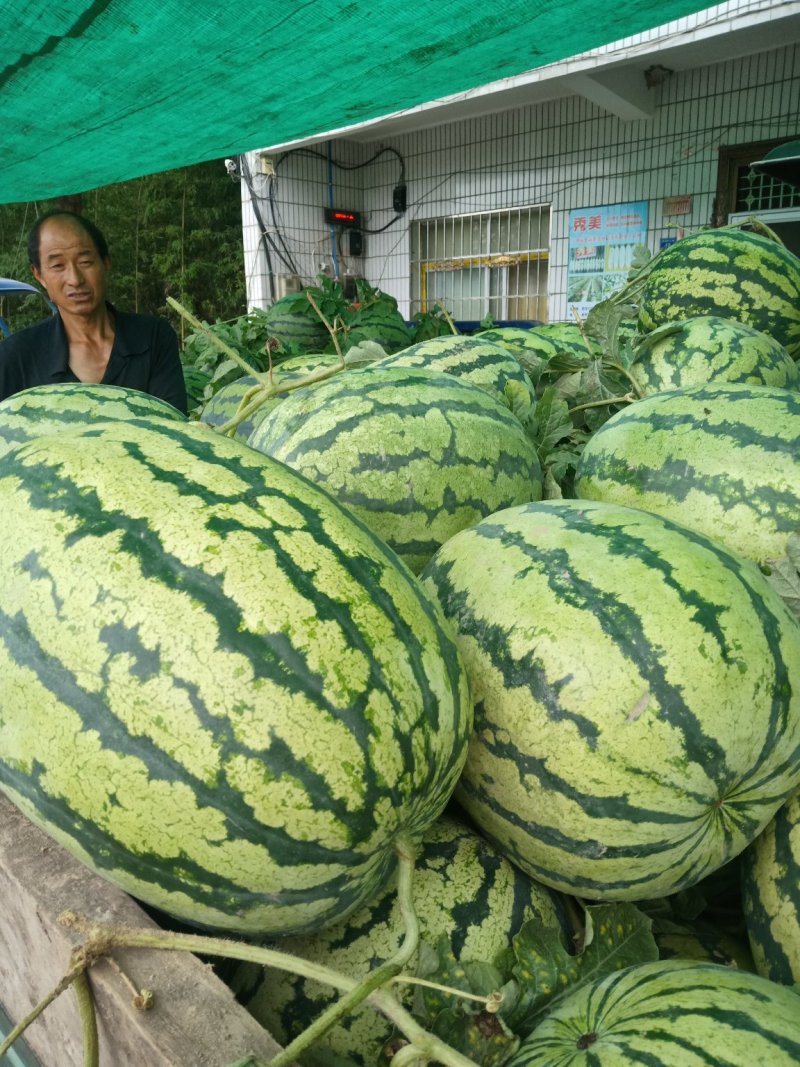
point(601, 244)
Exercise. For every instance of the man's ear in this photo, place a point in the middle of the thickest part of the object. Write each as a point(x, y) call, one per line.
point(37, 275)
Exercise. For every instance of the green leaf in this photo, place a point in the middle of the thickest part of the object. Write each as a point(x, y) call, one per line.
point(619, 936)
point(366, 351)
point(550, 423)
point(518, 399)
point(784, 575)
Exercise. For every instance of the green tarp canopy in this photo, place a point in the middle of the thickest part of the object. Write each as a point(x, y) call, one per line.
point(95, 93)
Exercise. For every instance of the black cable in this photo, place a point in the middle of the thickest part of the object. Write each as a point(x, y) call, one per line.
point(273, 212)
point(266, 238)
point(354, 166)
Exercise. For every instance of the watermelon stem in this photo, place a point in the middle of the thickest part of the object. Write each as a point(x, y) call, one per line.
point(217, 341)
point(102, 938)
point(406, 858)
point(628, 398)
point(80, 961)
point(332, 330)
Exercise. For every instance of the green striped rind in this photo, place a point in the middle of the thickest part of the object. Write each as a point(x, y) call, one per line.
point(224, 404)
point(417, 455)
point(220, 690)
point(463, 891)
point(297, 326)
point(563, 335)
point(48, 409)
point(669, 1014)
point(636, 691)
point(708, 348)
point(387, 328)
point(482, 363)
point(723, 459)
point(771, 896)
point(730, 273)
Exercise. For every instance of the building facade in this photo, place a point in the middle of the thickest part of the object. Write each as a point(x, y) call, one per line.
point(486, 203)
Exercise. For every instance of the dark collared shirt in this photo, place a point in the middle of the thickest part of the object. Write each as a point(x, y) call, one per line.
point(144, 356)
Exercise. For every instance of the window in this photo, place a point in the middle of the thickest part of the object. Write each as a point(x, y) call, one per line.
point(491, 263)
point(742, 192)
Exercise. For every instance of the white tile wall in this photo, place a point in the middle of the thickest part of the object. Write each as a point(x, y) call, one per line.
point(567, 153)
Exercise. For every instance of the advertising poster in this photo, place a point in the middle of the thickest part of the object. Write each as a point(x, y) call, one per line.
point(601, 243)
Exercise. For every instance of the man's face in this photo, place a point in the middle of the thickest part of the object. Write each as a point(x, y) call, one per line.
point(71, 269)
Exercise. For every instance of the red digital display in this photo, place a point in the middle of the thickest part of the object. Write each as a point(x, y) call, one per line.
point(342, 218)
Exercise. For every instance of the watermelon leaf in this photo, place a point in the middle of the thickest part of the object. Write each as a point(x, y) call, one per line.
point(784, 575)
point(617, 935)
point(549, 423)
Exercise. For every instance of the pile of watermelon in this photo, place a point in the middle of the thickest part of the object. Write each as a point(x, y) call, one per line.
point(527, 602)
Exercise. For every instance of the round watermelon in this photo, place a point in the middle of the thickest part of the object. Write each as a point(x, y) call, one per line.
point(469, 901)
point(722, 459)
point(636, 692)
point(220, 690)
point(417, 455)
point(295, 326)
point(730, 273)
point(709, 348)
point(672, 1013)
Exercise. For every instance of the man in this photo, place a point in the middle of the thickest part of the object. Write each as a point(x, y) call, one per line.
point(88, 340)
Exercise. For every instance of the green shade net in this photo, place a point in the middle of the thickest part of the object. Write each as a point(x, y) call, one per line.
point(95, 93)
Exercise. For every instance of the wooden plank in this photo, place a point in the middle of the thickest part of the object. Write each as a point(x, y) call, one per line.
point(195, 1020)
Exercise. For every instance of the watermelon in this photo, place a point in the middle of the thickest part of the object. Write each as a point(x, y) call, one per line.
point(220, 690)
point(224, 404)
point(771, 896)
point(709, 348)
point(465, 894)
point(48, 409)
point(672, 1013)
point(490, 366)
point(722, 458)
point(381, 323)
point(293, 323)
point(636, 691)
point(731, 273)
point(417, 455)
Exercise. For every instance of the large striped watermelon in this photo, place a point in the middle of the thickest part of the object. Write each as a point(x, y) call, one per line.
point(491, 366)
point(723, 459)
point(48, 409)
point(708, 348)
point(669, 1014)
point(220, 690)
point(417, 455)
point(463, 890)
point(636, 690)
point(727, 272)
point(771, 896)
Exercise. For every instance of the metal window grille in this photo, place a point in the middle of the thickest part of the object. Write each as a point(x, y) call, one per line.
point(490, 263)
point(758, 192)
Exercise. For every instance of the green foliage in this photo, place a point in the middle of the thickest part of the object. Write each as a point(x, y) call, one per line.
point(615, 936)
point(525, 983)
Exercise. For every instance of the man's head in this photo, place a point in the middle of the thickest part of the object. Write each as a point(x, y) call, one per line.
point(69, 257)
